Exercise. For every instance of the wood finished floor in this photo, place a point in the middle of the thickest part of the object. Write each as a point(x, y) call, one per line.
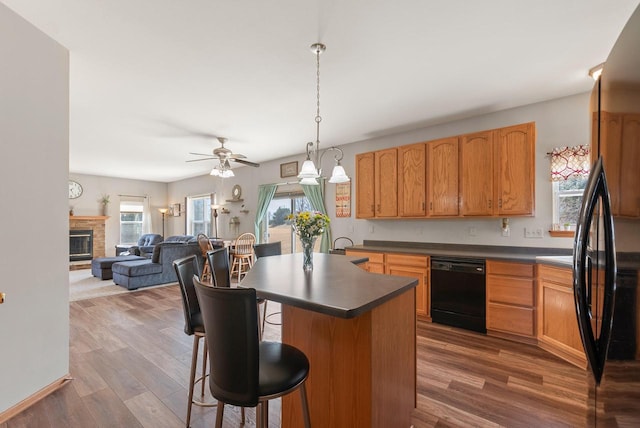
point(130, 358)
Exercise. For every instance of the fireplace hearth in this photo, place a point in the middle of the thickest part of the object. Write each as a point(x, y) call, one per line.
point(80, 245)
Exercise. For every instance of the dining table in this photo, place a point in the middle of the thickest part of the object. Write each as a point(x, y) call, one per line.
point(358, 330)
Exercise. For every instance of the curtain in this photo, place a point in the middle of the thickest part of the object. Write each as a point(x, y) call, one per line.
point(567, 162)
point(315, 194)
point(147, 222)
point(265, 195)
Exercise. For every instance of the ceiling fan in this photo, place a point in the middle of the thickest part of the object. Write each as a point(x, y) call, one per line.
point(224, 155)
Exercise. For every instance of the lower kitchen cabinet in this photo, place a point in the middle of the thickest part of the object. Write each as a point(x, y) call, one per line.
point(375, 263)
point(511, 300)
point(414, 266)
point(557, 326)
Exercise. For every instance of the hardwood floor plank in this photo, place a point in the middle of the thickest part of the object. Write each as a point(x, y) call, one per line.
point(130, 359)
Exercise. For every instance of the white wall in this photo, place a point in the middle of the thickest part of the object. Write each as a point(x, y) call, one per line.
point(34, 225)
point(561, 122)
point(94, 187)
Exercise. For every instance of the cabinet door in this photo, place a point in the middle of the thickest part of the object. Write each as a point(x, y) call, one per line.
point(476, 174)
point(515, 172)
point(375, 263)
point(442, 177)
point(365, 205)
point(413, 267)
point(386, 183)
point(630, 166)
point(411, 180)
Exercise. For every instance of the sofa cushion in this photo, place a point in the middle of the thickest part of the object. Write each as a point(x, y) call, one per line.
point(106, 262)
point(136, 268)
point(179, 238)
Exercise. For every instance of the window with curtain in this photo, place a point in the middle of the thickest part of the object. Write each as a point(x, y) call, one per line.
point(199, 214)
point(131, 221)
point(570, 168)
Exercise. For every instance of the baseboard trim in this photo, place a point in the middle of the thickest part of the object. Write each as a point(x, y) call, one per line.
point(32, 399)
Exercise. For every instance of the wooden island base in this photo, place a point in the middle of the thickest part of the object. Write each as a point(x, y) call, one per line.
point(363, 369)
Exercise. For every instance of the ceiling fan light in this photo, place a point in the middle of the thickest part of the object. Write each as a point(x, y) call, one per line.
point(227, 173)
point(215, 172)
point(308, 170)
point(339, 175)
point(309, 181)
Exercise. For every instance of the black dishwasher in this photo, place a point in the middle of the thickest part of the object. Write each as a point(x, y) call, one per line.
point(458, 293)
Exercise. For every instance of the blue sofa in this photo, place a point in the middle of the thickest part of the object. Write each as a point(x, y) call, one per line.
point(143, 248)
point(158, 269)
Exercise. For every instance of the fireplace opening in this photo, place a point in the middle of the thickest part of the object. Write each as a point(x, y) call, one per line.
point(80, 245)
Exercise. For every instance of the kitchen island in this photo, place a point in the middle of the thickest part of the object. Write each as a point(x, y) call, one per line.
point(358, 330)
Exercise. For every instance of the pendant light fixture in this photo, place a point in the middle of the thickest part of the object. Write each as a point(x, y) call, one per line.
point(311, 169)
point(222, 170)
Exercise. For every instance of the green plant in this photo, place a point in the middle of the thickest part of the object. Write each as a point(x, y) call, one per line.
point(104, 199)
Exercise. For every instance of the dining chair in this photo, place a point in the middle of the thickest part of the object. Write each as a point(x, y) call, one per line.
point(186, 268)
point(221, 277)
point(247, 372)
point(205, 245)
point(242, 255)
point(265, 250)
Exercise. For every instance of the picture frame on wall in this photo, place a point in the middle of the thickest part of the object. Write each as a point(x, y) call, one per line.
point(176, 209)
point(289, 169)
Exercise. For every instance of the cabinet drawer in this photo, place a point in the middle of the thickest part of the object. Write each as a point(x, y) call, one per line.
point(408, 260)
point(515, 291)
point(563, 276)
point(510, 268)
point(511, 319)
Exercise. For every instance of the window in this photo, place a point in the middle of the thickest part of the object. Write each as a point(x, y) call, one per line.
point(199, 215)
point(131, 216)
point(567, 198)
point(569, 173)
point(278, 228)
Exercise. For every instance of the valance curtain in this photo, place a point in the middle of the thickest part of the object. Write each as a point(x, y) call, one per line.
point(265, 195)
point(567, 162)
point(315, 194)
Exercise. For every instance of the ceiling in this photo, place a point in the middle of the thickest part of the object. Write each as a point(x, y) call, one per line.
point(150, 79)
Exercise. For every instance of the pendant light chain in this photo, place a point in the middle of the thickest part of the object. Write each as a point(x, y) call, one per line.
point(318, 117)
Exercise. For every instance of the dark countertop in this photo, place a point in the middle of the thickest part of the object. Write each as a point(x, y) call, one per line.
point(493, 252)
point(336, 287)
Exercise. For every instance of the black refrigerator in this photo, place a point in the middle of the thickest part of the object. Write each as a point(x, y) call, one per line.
point(606, 261)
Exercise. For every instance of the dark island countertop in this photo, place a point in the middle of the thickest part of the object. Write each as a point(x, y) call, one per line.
point(494, 252)
point(335, 287)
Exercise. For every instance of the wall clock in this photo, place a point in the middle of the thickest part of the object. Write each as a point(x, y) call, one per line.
point(75, 189)
point(236, 192)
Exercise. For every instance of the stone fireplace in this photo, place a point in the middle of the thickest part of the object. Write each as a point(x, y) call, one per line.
point(80, 226)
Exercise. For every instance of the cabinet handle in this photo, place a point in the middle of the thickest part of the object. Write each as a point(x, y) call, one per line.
point(431, 206)
point(423, 206)
point(489, 203)
point(500, 203)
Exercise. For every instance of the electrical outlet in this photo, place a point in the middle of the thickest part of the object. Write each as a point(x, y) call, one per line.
point(506, 232)
point(533, 233)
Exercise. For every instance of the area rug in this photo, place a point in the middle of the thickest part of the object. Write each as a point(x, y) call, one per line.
point(83, 285)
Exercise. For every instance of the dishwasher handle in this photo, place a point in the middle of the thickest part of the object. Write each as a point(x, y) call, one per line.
point(458, 266)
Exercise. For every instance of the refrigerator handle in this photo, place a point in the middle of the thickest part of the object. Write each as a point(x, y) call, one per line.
point(595, 347)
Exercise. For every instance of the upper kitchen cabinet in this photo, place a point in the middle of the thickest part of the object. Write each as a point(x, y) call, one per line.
point(515, 166)
point(386, 182)
point(620, 149)
point(442, 177)
point(365, 202)
point(476, 174)
point(497, 172)
point(412, 180)
point(377, 184)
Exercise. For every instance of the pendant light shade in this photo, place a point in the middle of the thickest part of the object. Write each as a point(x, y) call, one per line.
point(339, 175)
point(308, 170)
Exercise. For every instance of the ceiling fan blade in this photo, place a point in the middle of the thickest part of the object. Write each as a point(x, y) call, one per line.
point(237, 156)
point(198, 160)
point(202, 154)
point(246, 162)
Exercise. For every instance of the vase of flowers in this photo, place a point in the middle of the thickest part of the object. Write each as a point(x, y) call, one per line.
point(308, 225)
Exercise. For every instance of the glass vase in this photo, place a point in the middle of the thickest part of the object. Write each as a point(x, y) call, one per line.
point(307, 253)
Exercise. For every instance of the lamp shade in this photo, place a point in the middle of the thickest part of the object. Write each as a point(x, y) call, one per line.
point(339, 175)
point(309, 181)
point(308, 170)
